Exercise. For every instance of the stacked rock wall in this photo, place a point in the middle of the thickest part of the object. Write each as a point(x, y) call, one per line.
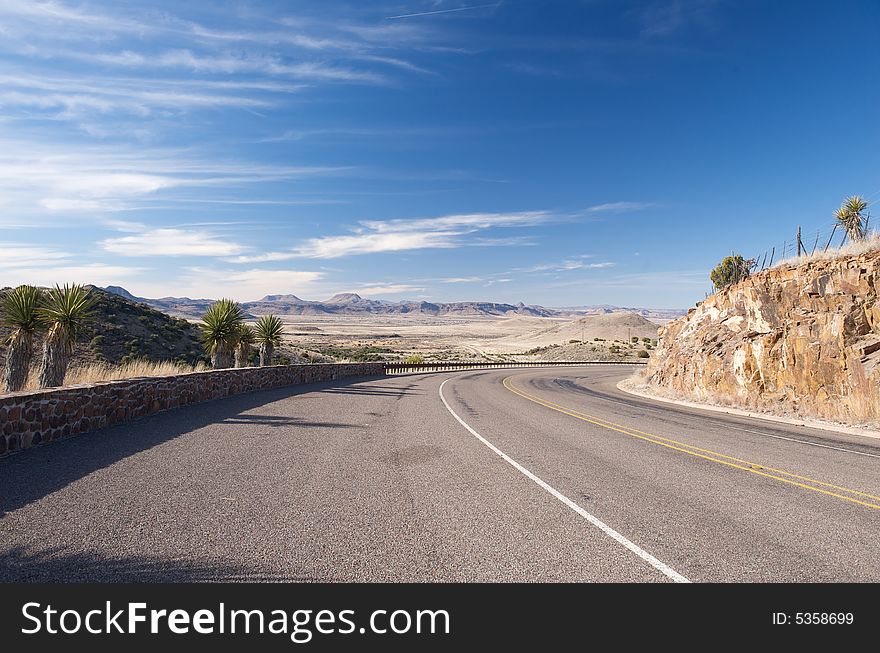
point(28, 419)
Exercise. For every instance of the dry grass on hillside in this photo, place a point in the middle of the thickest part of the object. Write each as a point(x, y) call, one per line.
point(871, 243)
point(98, 372)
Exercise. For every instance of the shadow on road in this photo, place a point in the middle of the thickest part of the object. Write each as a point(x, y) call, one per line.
point(276, 420)
point(33, 473)
point(373, 390)
point(55, 566)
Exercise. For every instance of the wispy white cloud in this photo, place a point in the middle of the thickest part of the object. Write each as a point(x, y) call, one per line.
point(171, 242)
point(435, 12)
point(373, 243)
point(99, 274)
point(468, 221)
point(14, 255)
point(670, 16)
point(374, 236)
point(246, 63)
point(38, 180)
point(568, 266)
point(387, 289)
point(77, 97)
point(241, 285)
point(42, 12)
point(620, 207)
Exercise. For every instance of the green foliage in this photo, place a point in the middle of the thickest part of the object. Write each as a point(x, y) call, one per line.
point(853, 217)
point(67, 310)
point(220, 325)
point(20, 311)
point(270, 330)
point(246, 335)
point(358, 354)
point(634, 339)
point(414, 359)
point(731, 270)
point(642, 354)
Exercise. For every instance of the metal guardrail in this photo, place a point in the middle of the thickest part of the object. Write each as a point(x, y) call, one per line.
point(408, 368)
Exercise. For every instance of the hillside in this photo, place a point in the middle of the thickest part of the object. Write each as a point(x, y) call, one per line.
point(800, 339)
point(354, 304)
point(123, 330)
point(609, 327)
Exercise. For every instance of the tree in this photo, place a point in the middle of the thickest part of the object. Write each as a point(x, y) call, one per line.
point(66, 311)
point(220, 325)
point(244, 345)
point(269, 333)
point(853, 217)
point(19, 311)
point(731, 270)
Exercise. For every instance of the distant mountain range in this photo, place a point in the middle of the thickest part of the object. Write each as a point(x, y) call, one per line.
point(353, 304)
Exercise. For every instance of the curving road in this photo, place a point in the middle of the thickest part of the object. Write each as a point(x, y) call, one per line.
point(504, 475)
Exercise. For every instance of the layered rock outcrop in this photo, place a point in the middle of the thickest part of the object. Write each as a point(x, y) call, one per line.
point(801, 340)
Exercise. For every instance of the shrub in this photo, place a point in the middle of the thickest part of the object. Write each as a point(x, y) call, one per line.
point(414, 359)
point(731, 270)
point(642, 354)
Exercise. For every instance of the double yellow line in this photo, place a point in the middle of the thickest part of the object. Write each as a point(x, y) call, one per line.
point(836, 491)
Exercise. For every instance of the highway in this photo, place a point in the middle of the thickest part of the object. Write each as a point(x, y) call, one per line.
point(546, 474)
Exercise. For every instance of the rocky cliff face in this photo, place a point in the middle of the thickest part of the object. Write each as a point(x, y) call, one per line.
point(802, 340)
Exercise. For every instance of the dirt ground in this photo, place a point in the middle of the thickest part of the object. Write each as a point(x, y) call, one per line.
point(599, 337)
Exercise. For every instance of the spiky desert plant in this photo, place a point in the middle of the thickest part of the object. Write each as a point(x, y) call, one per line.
point(66, 312)
point(269, 333)
point(19, 310)
point(244, 345)
point(853, 217)
point(219, 326)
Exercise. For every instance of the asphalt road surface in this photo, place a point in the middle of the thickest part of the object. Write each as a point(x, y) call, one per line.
point(545, 474)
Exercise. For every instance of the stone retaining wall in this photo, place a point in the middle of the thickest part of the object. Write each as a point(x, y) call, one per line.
point(28, 419)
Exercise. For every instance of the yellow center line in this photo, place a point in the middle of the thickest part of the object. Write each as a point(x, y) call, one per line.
point(706, 454)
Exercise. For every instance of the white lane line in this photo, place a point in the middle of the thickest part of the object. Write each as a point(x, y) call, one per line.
point(595, 521)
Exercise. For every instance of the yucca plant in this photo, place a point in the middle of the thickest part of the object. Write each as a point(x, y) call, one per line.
point(19, 310)
point(269, 333)
point(852, 216)
point(220, 325)
point(66, 312)
point(244, 345)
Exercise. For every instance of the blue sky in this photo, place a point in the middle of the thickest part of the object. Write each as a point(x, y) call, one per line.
point(558, 152)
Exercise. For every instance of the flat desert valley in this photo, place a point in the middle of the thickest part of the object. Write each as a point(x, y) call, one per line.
point(611, 336)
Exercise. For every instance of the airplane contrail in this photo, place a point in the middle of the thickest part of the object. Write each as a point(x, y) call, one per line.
point(443, 11)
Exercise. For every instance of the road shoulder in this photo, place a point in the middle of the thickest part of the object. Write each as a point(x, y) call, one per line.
point(627, 386)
